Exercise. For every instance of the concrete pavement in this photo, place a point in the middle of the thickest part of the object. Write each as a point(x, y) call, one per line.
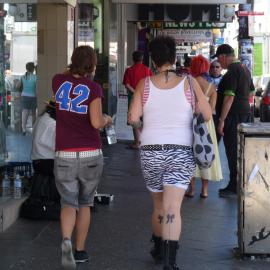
point(120, 233)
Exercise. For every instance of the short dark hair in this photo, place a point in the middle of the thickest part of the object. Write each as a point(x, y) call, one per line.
point(83, 60)
point(162, 50)
point(137, 56)
point(224, 49)
point(30, 66)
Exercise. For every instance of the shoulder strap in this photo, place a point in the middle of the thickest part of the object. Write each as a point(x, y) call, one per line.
point(146, 90)
point(208, 89)
point(192, 92)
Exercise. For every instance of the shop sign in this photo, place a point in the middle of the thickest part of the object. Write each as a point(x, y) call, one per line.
point(258, 59)
point(183, 49)
point(192, 35)
point(219, 41)
point(185, 13)
point(26, 13)
point(246, 53)
point(86, 35)
point(243, 13)
point(192, 25)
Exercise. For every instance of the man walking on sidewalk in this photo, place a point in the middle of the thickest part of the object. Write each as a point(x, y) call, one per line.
point(232, 108)
point(131, 78)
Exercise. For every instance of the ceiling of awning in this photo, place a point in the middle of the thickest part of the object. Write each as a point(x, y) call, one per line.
point(181, 1)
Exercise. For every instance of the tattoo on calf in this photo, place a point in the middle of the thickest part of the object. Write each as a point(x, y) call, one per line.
point(160, 218)
point(170, 218)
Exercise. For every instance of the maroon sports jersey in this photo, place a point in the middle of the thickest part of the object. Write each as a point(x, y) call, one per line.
point(73, 125)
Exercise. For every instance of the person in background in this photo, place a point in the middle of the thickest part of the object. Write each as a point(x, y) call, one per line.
point(43, 143)
point(177, 67)
point(143, 41)
point(215, 78)
point(28, 84)
point(232, 108)
point(131, 78)
point(185, 70)
point(167, 160)
point(215, 73)
point(199, 67)
point(78, 161)
point(43, 153)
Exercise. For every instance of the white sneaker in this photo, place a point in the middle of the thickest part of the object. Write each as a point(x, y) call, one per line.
point(68, 261)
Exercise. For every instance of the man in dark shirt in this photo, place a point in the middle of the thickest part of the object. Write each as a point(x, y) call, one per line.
point(232, 108)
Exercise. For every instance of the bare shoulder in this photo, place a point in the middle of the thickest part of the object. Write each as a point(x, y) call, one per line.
point(140, 85)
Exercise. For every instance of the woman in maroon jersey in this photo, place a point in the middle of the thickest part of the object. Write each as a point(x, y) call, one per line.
point(79, 161)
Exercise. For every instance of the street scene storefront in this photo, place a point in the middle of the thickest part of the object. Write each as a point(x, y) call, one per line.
point(37, 38)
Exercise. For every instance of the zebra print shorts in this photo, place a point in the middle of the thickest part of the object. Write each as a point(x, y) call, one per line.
point(171, 167)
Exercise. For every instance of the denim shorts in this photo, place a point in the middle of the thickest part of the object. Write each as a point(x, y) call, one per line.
point(77, 179)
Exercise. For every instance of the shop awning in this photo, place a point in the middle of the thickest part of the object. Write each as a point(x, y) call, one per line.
point(208, 2)
point(70, 2)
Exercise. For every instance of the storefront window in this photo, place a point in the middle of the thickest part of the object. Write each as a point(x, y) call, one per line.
point(18, 46)
point(90, 25)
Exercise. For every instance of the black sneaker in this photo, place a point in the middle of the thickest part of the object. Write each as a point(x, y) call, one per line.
point(81, 256)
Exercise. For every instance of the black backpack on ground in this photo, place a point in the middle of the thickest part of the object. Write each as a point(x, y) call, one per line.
point(44, 200)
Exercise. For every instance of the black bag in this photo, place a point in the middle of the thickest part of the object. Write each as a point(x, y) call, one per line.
point(44, 200)
point(38, 208)
point(43, 186)
point(203, 147)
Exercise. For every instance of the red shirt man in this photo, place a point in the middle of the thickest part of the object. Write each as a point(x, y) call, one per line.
point(131, 78)
point(135, 73)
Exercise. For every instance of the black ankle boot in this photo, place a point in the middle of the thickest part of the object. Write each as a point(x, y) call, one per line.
point(157, 250)
point(170, 250)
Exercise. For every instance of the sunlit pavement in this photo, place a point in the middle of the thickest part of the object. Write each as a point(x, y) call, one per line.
point(120, 232)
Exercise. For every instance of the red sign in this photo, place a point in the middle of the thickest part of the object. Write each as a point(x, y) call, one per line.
point(3, 13)
point(250, 13)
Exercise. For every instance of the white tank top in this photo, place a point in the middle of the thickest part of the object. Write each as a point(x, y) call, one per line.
point(167, 116)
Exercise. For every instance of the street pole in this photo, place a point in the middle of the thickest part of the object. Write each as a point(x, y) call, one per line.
point(246, 43)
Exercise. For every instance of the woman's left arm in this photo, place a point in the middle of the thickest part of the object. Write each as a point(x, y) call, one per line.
point(136, 108)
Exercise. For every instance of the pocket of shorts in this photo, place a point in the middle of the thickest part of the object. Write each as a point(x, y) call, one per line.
point(92, 166)
point(62, 170)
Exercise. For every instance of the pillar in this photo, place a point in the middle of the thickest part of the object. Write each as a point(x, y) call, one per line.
point(55, 45)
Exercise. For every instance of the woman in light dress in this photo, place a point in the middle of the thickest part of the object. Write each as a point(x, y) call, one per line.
point(199, 70)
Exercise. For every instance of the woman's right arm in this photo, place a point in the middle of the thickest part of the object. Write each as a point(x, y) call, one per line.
point(136, 107)
point(97, 119)
point(202, 105)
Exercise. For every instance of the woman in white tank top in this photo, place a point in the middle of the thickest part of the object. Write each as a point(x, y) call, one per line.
point(167, 161)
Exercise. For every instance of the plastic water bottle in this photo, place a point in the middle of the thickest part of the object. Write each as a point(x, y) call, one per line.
point(17, 187)
point(5, 186)
point(111, 134)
